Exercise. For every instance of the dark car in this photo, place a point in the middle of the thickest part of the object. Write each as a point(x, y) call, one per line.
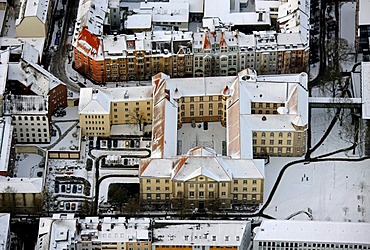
point(63, 188)
point(68, 206)
point(74, 189)
point(56, 188)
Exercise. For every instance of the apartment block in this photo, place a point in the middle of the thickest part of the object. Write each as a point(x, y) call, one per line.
point(101, 108)
point(201, 234)
point(184, 54)
point(201, 179)
point(293, 234)
point(30, 118)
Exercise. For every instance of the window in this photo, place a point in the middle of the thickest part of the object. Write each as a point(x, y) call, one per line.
point(191, 185)
point(191, 194)
point(254, 141)
point(235, 189)
point(236, 182)
point(254, 134)
point(289, 135)
point(223, 194)
point(149, 196)
point(263, 142)
point(192, 99)
point(201, 185)
point(223, 184)
point(211, 194)
point(157, 181)
point(245, 182)
point(157, 188)
point(263, 134)
point(271, 142)
point(272, 134)
point(289, 142)
point(254, 182)
point(178, 184)
point(245, 189)
point(210, 185)
point(201, 194)
point(148, 188)
point(254, 189)
point(280, 135)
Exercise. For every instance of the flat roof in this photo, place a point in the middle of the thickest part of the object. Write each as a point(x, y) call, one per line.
point(365, 84)
point(6, 134)
point(364, 17)
point(313, 231)
point(139, 21)
point(200, 233)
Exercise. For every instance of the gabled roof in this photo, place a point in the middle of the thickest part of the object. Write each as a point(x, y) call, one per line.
point(93, 102)
point(88, 41)
point(31, 8)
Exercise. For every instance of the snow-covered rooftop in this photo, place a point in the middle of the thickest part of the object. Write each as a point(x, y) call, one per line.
point(6, 134)
point(22, 185)
point(91, 13)
point(139, 21)
point(201, 233)
point(97, 101)
point(4, 229)
point(364, 17)
point(33, 8)
point(4, 59)
point(218, 168)
point(26, 104)
point(172, 11)
point(231, 14)
point(313, 231)
point(365, 76)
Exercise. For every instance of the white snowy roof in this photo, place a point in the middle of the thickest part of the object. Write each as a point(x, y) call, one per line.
point(6, 133)
point(13, 42)
point(172, 11)
point(237, 18)
point(93, 102)
point(22, 185)
point(313, 231)
point(364, 17)
point(4, 59)
point(184, 168)
point(5, 229)
point(139, 21)
point(201, 233)
point(91, 13)
point(34, 8)
point(196, 6)
point(26, 104)
point(199, 86)
point(268, 122)
point(365, 85)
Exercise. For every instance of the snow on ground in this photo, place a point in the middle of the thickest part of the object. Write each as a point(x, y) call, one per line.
point(347, 22)
point(104, 185)
point(69, 141)
point(334, 191)
point(71, 114)
point(64, 126)
point(272, 171)
point(189, 137)
point(338, 138)
point(27, 165)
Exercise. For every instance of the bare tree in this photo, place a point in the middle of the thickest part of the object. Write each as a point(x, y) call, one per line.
point(138, 117)
point(338, 50)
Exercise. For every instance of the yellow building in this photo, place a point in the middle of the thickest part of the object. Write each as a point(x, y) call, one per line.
point(201, 179)
point(201, 234)
point(101, 108)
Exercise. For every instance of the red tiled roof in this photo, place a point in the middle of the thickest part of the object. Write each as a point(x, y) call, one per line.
point(88, 37)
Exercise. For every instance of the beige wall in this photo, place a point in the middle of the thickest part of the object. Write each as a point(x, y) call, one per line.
point(31, 27)
point(128, 112)
point(202, 188)
point(95, 124)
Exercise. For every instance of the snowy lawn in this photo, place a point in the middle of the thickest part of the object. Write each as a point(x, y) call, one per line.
point(71, 114)
point(334, 191)
point(27, 165)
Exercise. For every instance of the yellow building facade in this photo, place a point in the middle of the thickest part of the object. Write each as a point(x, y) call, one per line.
point(99, 109)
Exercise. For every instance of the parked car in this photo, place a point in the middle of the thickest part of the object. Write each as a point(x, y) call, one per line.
point(127, 144)
point(74, 189)
point(70, 31)
point(63, 188)
point(68, 189)
point(56, 188)
point(137, 144)
point(55, 204)
point(73, 206)
point(68, 206)
point(61, 205)
point(79, 206)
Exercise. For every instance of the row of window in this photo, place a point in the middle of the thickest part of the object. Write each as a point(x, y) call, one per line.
point(223, 184)
point(313, 245)
point(31, 118)
point(272, 142)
